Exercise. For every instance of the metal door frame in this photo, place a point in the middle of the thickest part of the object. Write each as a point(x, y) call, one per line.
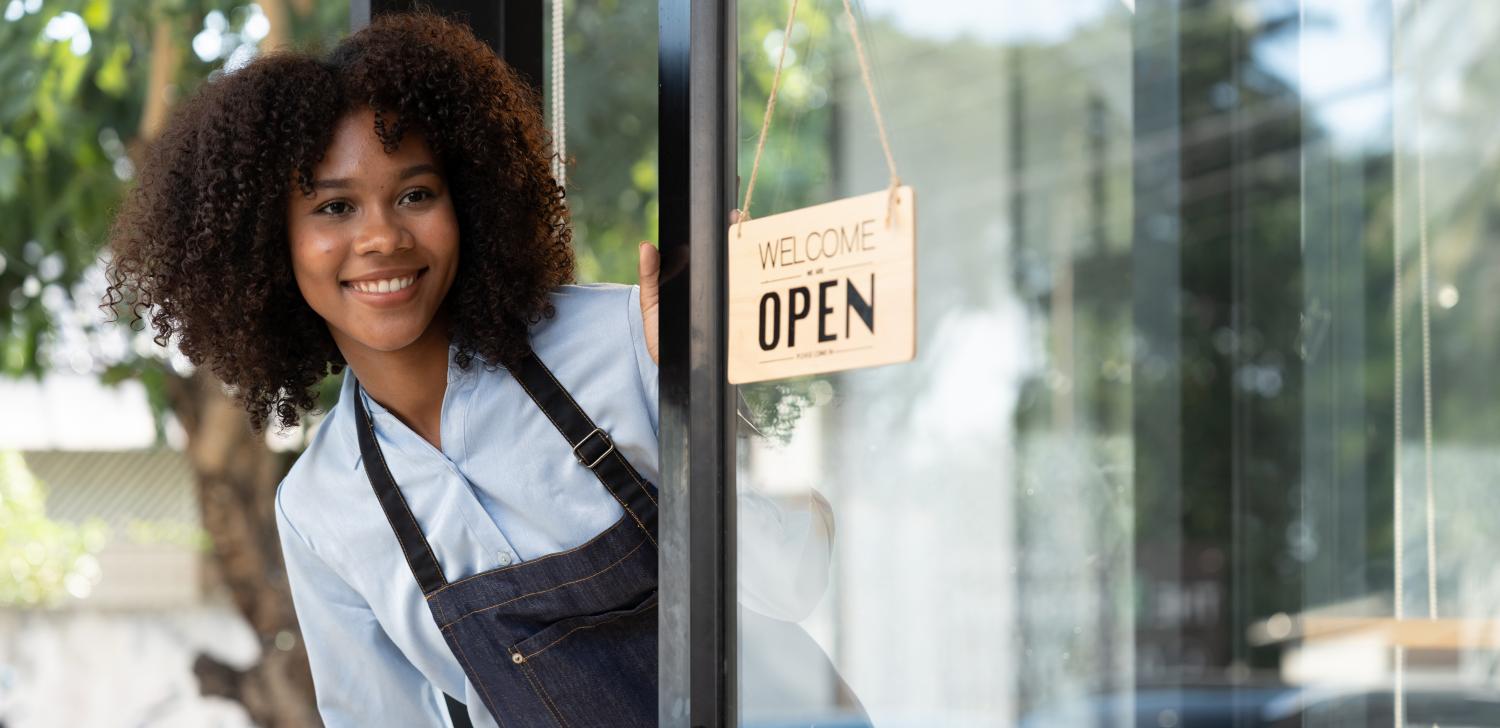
point(696, 174)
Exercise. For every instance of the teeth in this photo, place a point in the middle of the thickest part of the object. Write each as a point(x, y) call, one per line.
point(389, 285)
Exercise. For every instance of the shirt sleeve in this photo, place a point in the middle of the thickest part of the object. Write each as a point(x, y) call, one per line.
point(360, 677)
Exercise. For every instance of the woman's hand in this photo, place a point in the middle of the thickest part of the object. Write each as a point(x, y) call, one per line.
point(650, 275)
point(649, 271)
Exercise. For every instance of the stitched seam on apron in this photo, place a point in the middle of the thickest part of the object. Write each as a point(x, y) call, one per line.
point(587, 626)
point(537, 560)
point(546, 699)
point(607, 489)
point(487, 699)
point(370, 424)
point(544, 591)
point(569, 397)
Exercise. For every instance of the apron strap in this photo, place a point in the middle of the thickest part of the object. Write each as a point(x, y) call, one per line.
point(458, 713)
point(419, 556)
point(591, 445)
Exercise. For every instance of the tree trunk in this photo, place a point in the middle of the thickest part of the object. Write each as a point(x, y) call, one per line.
point(237, 476)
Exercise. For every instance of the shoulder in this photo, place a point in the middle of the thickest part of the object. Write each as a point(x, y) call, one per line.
point(603, 318)
point(581, 305)
point(596, 346)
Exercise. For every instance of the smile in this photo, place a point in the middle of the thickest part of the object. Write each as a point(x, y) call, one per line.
point(387, 285)
point(388, 290)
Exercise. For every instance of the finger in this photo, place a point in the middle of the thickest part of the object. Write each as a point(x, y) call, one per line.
point(734, 216)
point(649, 271)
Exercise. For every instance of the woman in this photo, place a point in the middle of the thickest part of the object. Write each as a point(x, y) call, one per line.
point(389, 210)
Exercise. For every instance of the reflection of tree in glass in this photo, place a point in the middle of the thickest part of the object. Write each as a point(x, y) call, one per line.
point(773, 409)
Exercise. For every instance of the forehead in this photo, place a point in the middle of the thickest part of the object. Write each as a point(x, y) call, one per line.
point(355, 150)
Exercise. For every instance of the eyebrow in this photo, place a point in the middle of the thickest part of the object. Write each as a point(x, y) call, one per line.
point(345, 182)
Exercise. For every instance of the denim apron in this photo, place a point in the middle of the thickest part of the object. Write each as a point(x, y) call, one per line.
point(566, 639)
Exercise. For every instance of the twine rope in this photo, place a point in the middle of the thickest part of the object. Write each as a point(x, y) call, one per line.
point(864, 75)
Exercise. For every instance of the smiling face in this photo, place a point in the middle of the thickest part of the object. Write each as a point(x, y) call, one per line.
point(375, 247)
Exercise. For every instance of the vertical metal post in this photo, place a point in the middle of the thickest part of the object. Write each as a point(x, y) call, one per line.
point(512, 27)
point(697, 173)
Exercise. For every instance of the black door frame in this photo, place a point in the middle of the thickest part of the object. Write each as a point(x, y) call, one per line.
point(697, 133)
point(512, 27)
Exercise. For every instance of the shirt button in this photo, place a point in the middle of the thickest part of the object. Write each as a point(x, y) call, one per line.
point(505, 558)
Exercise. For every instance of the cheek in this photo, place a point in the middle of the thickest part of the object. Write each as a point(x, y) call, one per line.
point(440, 233)
point(315, 264)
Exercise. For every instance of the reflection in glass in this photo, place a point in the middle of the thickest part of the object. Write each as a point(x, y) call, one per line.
point(1198, 280)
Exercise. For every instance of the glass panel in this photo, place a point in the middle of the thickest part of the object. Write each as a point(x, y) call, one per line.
point(1144, 468)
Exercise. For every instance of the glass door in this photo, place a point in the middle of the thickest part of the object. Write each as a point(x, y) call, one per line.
point(1200, 427)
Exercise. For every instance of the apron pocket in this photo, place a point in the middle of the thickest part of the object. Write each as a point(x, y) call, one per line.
point(596, 670)
point(556, 633)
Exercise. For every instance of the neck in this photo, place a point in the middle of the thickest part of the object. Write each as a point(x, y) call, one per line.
point(409, 382)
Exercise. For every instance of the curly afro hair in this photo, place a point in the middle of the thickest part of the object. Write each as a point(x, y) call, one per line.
point(200, 245)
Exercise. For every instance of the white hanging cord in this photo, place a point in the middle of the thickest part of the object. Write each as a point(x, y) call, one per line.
point(765, 124)
point(559, 109)
point(1398, 527)
point(864, 74)
point(1398, 524)
point(1423, 248)
point(1422, 257)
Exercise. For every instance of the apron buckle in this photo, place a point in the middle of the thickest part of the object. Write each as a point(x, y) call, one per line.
point(603, 436)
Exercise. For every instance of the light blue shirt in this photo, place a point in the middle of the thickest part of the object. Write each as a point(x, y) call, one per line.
point(504, 488)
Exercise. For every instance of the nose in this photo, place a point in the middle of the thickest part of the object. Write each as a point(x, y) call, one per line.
point(381, 233)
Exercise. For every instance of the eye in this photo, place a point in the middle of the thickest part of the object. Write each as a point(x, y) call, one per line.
point(330, 208)
point(421, 195)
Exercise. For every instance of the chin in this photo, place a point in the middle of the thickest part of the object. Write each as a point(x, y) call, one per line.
point(387, 338)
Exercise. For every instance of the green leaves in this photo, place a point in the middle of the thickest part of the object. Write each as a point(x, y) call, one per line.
point(111, 77)
point(74, 81)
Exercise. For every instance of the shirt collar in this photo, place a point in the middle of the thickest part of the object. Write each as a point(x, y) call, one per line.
point(343, 414)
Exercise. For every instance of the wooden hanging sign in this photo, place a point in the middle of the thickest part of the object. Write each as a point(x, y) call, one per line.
point(824, 288)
